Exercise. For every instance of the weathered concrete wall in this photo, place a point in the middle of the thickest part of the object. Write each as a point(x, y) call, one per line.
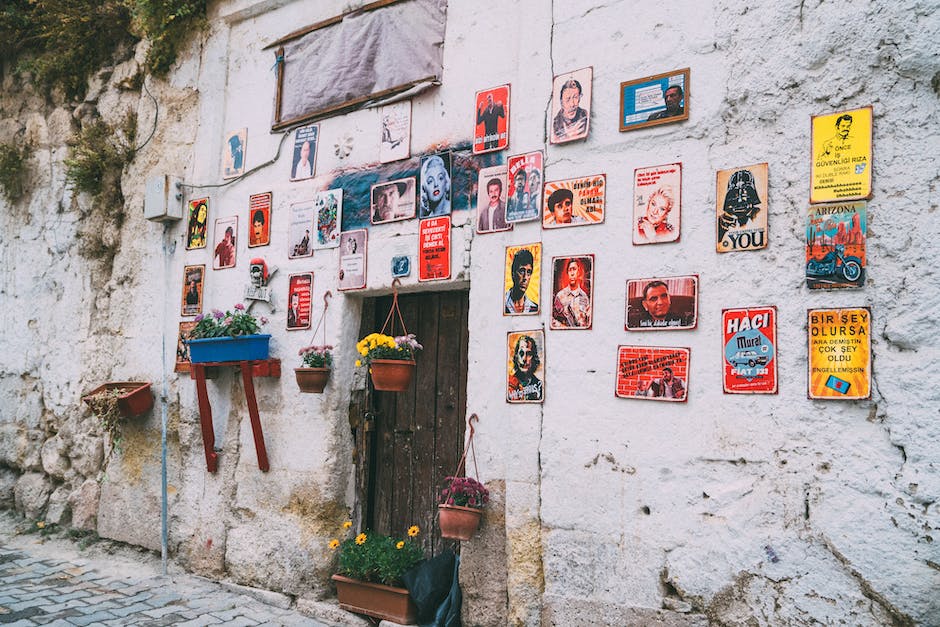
point(603, 507)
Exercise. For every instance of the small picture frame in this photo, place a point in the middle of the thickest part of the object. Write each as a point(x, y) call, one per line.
point(491, 130)
point(193, 287)
point(197, 231)
point(352, 259)
point(234, 153)
point(662, 303)
point(299, 296)
point(303, 165)
point(393, 200)
point(223, 255)
point(571, 106)
point(259, 219)
point(654, 100)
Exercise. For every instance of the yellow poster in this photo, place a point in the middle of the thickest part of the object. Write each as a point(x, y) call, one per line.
point(841, 165)
point(839, 353)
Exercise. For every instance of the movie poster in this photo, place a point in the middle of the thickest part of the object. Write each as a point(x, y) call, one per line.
point(662, 304)
point(741, 208)
point(299, 228)
point(198, 229)
point(573, 290)
point(655, 373)
point(329, 217)
point(434, 249)
point(233, 153)
point(839, 353)
point(491, 131)
point(525, 187)
point(521, 279)
point(492, 191)
point(835, 245)
point(395, 143)
point(393, 200)
point(525, 366)
point(435, 185)
point(225, 244)
point(841, 156)
point(352, 259)
point(571, 106)
point(259, 217)
point(299, 296)
point(749, 346)
point(303, 165)
point(657, 204)
point(193, 285)
point(182, 348)
point(574, 202)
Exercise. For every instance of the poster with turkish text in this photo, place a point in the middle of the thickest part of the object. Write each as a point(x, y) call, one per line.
point(654, 100)
point(574, 202)
point(525, 187)
point(233, 153)
point(521, 279)
point(299, 229)
point(434, 249)
point(329, 218)
point(525, 366)
point(657, 373)
point(657, 202)
point(662, 303)
point(492, 191)
point(491, 130)
point(304, 161)
point(839, 353)
point(573, 292)
point(197, 230)
point(841, 156)
point(571, 106)
point(299, 295)
point(749, 349)
point(193, 286)
point(395, 143)
point(223, 255)
point(352, 259)
point(741, 208)
point(835, 245)
point(259, 219)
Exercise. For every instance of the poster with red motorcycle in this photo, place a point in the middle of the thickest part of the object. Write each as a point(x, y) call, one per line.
point(835, 245)
point(749, 347)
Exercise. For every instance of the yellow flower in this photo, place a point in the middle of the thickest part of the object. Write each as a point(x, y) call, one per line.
point(347, 524)
point(41, 524)
point(361, 539)
point(400, 545)
point(334, 544)
point(358, 363)
point(413, 530)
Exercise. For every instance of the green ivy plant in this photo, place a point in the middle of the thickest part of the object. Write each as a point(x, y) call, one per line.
point(13, 162)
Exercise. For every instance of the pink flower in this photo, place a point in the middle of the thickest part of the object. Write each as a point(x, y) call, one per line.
point(264, 320)
point(200, 317)
point(240, 307)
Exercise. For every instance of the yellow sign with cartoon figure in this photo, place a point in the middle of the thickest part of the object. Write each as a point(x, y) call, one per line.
point(841, 165)
point(839, 353)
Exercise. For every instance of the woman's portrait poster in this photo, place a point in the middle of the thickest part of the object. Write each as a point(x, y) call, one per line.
point(259, 219)
point(223, 255)
point(657, 204)
point(303, 165)
point(435, 185)
point(198, 229)
point(193, 281)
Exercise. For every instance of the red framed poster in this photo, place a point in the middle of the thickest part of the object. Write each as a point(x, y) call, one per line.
point(299, 294)
point(491, 131)
point(749, 349)
point(434, 249)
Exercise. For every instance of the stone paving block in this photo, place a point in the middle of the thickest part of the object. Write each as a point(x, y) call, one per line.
point(58, 607)
point(97, 617)
point(240, 621)
point(46, 619)
point(24, 622)
point(130, 609)
point(22, 605)
point(200, 621)
point(160, 612)
point(163, 599)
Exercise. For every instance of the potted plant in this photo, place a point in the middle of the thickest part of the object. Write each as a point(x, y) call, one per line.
point(370, 568)
point(461, 506)
point(120, 398)
point(315, 372)
point(391, 360)
point(226, 336)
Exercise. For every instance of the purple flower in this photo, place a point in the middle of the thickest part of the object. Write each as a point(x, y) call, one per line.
point(200, 317)
point(240, 307)
point(218, 315)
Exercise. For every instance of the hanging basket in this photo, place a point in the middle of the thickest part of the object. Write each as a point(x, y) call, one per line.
point(133, 397)
point(312, 380)
point(458, 522)
point(392, 375)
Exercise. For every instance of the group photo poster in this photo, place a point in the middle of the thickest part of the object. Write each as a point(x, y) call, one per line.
point(749, 348)
point(193, 287)
point(352, 259)
point(657, 204)
point(299, 297)
point(839, 353)
point(574, 202)
point(654, 100)
point(741, 208)
point(434, 249)
point(395, 143)
point(328, 217)
point(492, 191)
point(435, 185)
point(573, 292)
point(571, 106)
point(393, 200)
point(197, 228)
point(259, 217)
point(840, 169)
point(525, 366)
point(491, 131)
point(522, 278)
point(835, 245)
point(304, 162)
point(223, 255)
point(525, 187)
point(658, 373)
point(182, 348)
point(662, 303)
point(233, 153)
point(299, 226)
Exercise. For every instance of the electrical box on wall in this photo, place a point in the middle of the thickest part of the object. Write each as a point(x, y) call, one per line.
point(163, 199)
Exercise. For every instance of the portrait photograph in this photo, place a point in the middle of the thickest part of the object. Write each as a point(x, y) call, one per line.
point(300, 229)
point(395, 143)
point(491, 131)
point(662, 303)
point(259, 219)
point(571, 106)
point(840, 166)
point(522, 279)
point(393, 200)
point(223, 255)
point(328, 214)
point(198, 227)
point(303, 164)
point(299, 297)
point(525, 187)
point(182, 348)
point(657, 202)
point(492, 191)
point(654, 100)
point(741, 208)
point(352, 259)
point(525, 366)
point(574, 202)
point(233, 153)
point(573, 292)
point(654, 373)
point(435, 185)
point(193, 282)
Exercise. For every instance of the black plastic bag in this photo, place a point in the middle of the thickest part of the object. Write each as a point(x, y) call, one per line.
point(430, 584)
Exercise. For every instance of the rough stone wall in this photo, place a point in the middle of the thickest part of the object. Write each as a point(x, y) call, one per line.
point(725, 509)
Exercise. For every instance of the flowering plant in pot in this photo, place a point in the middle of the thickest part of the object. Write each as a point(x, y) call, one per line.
point(228, 336)
point(461, 507)
point(316, 364)
point(391, 360)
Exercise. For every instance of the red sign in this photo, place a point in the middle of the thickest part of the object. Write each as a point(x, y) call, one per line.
point(434, 249)
point(659, 373)
point(749, 347)
point(300, 290)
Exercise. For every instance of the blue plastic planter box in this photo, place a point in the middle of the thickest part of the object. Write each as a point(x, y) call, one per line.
point(244, 348)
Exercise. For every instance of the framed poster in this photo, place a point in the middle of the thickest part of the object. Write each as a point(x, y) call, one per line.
point(654, 100)
point(835, 245)
point(434, 249)
point(741, 208)
point(259, 217)
point(525, 187)
point(656, 373)
point(198, 228)
point(394, 200)
point(571, 106)
point(491, 131)
point(491, 200)
point(352, 259)
point(225, 245)
point(395, 143)
point(662, 304)
point(525, 366)
point(574, 202)
point(749, 349)
point(193, 286)
point(573, 290)
point(521, 279)
point(299, 227)
point(182, 349)
point(841, 159)
point(303, 165)
point(233, 153)
point(328, 217)
point(299, 297)
point(839, 353)
point(657, 204)
point(435, 185)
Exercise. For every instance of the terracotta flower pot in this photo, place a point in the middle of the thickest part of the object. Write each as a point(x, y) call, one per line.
point(134, 397)
point(458, 522)
point(392, 375)
point(374, 599)
point(312, 379)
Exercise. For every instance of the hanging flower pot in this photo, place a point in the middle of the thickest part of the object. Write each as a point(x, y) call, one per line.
point(392, 375)
point(391, 360)
point(458, 522)
point(312, 380)
point(131, 398)
point(462, 498)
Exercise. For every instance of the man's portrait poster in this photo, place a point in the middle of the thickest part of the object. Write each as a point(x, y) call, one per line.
point(654, 100)
point(197, 230)
point(525, 187)
point(352, 259)
point(574, 202)
point(182, 348)
point(395, 143)
point(749, 347)
point(303, 164)
point(657, 203)
point(223, 255)
point(525, 366)
point(656, 373)
point(328, 215)
point(491, 130)
point(299, 297)
point(571, 106)
point(522, 278)
point(193, 284)
point(573, 290)
point(393, 200)
point(435, 186)
point(662, 304)
point(300, 229)
point(233, 153)
point(259, 219)
point(434, 249)
point(835, 245)
point(839, 353)
point(840, 169)
point(741, 208)
point(492, 191)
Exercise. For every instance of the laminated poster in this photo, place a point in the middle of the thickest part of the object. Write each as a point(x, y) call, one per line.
point(352, 259)
point(573, 290)
point(655, 373)
point(259, 217)
point(492, 191)
point(182, 348)
point(841, 158)
point(662, 303)
point(574, 202)
point(525, 187)
point(193, 285)
point(435, 186)
point(225, 243)
point(839, 353)
point(835, 245)
point(741, 208)
point(491, 130)
point(233, 153)
point(197, 230)
point(525, 366)
point(521, 279)
point(303, 165)
point(329, 216)
point(395, 143)
point(393, 200)
point(299, 296)
point(434, 249)
point(299, 228)
point(657, 203)
point(749, 347)
point(571, 106)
